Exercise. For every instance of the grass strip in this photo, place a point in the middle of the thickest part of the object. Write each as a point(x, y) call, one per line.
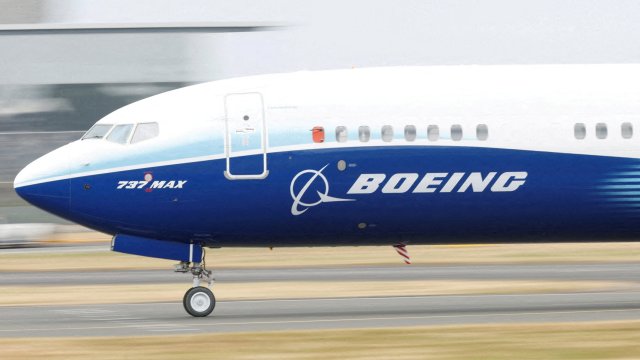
point(588, 340)
point(344, 256)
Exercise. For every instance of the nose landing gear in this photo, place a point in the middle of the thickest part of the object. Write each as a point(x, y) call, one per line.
point(199, 300)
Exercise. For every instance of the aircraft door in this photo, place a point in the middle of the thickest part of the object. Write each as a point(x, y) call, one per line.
point(246, 137)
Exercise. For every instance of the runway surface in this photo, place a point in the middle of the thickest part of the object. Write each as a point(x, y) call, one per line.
point(267, 315)
point(573, 272)
point(263, 315)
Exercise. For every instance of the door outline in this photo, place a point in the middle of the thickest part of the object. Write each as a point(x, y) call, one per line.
point(227, 141)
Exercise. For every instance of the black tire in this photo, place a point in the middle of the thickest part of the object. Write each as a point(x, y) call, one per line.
point(184, 299)
point(199, 301)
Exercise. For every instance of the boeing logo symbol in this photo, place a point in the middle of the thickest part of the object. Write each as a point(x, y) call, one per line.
point(299, 207)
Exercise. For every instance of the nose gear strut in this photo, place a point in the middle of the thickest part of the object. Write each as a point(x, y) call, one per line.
point(198, 301)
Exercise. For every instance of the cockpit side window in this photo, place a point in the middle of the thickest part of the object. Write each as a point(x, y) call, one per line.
point(97, 131)
point(145, 131)
point(120, 134)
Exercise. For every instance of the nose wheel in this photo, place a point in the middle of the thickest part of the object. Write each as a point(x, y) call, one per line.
point(199, 301)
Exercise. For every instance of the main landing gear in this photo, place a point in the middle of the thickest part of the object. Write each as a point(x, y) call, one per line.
point(199, 300)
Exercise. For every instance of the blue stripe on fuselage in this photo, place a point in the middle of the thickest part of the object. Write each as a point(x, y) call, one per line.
point(561, 199)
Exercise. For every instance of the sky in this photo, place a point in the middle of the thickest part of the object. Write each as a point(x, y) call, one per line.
point(322, 35)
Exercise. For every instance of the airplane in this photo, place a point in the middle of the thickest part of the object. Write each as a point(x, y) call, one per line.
point(372, 156)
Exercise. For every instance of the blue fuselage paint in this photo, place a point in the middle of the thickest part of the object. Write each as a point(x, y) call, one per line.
point(564, 197)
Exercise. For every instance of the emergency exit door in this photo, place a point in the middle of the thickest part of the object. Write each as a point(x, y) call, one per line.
point(246, 137)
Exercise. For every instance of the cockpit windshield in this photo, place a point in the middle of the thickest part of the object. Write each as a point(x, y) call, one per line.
point(120, 134)
point(98, 131)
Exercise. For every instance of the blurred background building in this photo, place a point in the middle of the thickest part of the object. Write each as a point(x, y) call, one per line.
point(54, 87)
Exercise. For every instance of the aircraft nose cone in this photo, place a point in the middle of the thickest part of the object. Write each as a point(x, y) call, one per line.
point(48, 194)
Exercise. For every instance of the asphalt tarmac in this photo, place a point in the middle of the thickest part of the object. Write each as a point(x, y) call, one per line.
point(559, 272)
point(283, 314)
point(268, 315)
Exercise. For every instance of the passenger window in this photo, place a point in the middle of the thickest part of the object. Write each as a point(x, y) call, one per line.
point(627, 130)
point(456, 132)
point(601, 130)
point(317, 133)
point(410, 132)
point(341, 134)
point(387, 133)
point(579, 131)
point(120, 134)
point(364, 133)
point(145, 131)
point(482, 132)
point(433, 132)
point(97, 131)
